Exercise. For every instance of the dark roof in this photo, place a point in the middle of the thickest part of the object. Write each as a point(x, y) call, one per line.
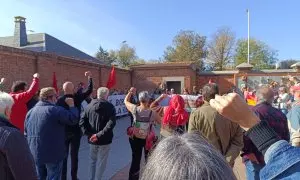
point(42, 42)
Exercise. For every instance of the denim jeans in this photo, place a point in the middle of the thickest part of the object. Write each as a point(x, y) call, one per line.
point(252, 170)
point(72, 143)
point(137, 145)
point(49, 171)
point(98, 160)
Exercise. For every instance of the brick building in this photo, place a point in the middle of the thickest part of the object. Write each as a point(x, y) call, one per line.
point(20, 64)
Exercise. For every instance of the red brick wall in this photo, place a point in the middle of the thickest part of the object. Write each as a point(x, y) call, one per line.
point(149, 78)
point(16, 64)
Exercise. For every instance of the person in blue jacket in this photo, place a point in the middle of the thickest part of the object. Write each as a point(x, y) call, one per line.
point(282, 159)
point(45, 133)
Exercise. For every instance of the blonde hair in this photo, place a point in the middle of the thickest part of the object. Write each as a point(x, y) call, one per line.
point(47, 92)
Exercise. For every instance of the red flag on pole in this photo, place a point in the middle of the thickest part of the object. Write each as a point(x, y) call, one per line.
point(54, 83)
point(112, 78)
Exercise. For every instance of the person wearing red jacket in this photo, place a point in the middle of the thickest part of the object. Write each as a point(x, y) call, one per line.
point(21, 98)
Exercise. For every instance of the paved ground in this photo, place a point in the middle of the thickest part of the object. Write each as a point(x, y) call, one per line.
point(120, 156)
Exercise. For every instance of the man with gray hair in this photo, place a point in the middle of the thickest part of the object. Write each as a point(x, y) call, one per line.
point(253, 159)
point(97, 123)
point(16, 161)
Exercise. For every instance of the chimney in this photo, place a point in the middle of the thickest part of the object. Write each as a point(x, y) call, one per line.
point(20, 36)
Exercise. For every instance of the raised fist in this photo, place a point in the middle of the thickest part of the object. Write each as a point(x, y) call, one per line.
point(3, 81)
point(36, 75)
point(132, 90)
point(70, 102)
point(88, 74)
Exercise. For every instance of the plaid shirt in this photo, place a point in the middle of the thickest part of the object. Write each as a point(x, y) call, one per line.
point(276, 120)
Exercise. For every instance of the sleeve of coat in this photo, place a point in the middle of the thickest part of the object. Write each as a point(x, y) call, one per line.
point(27, 95)
point(84, 124)
point(193, 122)
point(236, 144)
point(68, 117)
point(85, 93)
point(19, 157)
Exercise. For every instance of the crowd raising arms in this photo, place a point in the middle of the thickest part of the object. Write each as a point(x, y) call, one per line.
point(187, 156)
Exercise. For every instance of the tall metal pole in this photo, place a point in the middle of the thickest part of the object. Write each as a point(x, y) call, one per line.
point(248, 13)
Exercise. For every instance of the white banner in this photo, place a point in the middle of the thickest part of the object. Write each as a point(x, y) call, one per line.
point(118, 102)
point(190, 99)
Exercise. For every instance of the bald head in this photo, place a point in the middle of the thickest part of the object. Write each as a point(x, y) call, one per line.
point(68, 88)
point(264, 94)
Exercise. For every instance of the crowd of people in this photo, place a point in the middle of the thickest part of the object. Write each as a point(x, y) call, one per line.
point(39, 129)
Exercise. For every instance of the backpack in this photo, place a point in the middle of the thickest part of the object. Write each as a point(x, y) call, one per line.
point(142, 125)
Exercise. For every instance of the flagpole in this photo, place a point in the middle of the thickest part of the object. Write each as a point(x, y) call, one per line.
point(248, 14)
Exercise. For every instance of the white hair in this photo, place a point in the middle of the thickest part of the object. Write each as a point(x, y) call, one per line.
point(189, 156)
point(144, 96)
point(6, 101)
point(102, 92)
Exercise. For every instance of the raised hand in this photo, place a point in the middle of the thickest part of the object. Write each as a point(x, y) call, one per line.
point(234, 108)
point(36, 75)
point(88, 74)
point(70, 102)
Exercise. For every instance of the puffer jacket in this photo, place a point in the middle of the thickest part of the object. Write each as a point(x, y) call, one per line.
point(16, 161)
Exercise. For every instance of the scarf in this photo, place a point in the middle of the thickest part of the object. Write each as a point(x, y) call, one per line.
point(175, 114)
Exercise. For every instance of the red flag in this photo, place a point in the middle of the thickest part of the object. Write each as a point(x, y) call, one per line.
point(112, 78)
point(54, 83)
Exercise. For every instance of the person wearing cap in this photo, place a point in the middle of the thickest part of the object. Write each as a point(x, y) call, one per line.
point(293, 117)
point(45, 133)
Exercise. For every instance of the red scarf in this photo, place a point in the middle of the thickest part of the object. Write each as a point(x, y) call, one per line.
point(175, 113)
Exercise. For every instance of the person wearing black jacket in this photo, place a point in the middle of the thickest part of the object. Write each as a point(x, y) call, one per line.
point(73, 133)
point(97, 123)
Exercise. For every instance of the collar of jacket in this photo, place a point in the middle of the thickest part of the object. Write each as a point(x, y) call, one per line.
point(206, 103)
point(44, 103)
point(4, 122)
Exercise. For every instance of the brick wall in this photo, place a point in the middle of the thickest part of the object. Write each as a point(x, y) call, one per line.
point(149, 78)
point(225, 82)
point(17, 64)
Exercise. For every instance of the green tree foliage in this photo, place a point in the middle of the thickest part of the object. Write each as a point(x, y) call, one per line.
point(126, 55)
point(123, 57)
point(261, 55)
point(220, 49)
point(187, 46)
point(105, 56)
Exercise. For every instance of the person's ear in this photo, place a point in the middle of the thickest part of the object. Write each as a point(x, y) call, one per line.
point(7, 112)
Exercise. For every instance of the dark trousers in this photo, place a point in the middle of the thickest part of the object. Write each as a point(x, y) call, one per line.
point(73, 143)
point(137, 145)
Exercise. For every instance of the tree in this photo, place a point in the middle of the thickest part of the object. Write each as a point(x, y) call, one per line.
point(126, 55)
point(261, 55)
point(138, 61)
point(286, 64)
point(105, 56)
point(220, 48)
point(187, 46)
